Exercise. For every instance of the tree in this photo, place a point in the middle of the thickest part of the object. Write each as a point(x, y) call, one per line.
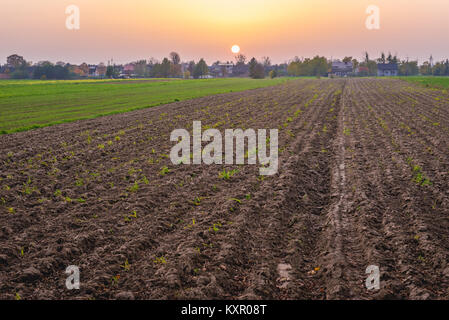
point(46, 70)
point(256, 70)
point(85, 69)
point(318, 66)
point(175, 67)
point(390, 58)
point(240, 69)
point(15, 61)
point(201, 69)
point(111, 72)
point(191, 67)
point(18, 65)
point(161, 70)
point(224, 71)
point(175, 58)
point(382, 58)
point(347, 59)
point(366, 57)
point(101, 69)
point(273, 74)
point(372, 68)
point(165, 68)
point(140, 68)
point(252, 67)
point(394, 59)
point(293, 68)
point(20, 73)
point(240, 58)
point(355, 64)
point(266, 61)
point(259, 72)
point(425, 69)
point(175, 70)
point(408, 68)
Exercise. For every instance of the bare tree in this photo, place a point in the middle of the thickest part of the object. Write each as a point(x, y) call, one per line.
point(240, 58)
point(266, 61)
point(15, 61)
point(175, 58)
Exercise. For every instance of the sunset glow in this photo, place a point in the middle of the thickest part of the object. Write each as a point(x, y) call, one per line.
point(281, 29)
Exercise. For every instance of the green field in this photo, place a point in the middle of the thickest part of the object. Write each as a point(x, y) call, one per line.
point(28, 104)
point(429, 82)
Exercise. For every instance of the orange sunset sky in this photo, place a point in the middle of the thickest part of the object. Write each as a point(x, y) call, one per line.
point(281, 29)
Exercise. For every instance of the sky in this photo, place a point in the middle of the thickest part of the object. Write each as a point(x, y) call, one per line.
point(131, 30)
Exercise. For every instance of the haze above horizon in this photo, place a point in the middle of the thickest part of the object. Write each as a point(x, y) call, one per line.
point(281, 29)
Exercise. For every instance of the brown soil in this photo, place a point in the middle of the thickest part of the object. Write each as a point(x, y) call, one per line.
point(363, 180)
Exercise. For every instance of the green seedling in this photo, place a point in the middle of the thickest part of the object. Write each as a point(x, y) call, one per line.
point(164, 171)
point(126, 266)
point(197, 201)
point(135, 187)
point(115, 280)
point(131, 216)
point(215, 227)
point(227, 174)
point(160, 260)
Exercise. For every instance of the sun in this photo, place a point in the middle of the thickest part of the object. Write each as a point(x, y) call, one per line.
point(235, 49)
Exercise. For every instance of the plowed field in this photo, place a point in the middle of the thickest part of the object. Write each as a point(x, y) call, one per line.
point(363, 180)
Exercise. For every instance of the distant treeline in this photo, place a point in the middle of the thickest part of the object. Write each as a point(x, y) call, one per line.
point(320, 66)
point(172, 67)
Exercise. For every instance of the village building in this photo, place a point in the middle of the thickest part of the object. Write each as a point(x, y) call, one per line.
point(387, 69)
point(221, 70)
point(341, 69)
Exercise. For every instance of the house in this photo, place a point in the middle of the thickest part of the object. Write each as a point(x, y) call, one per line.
point(387, 69)
point(362, 71)
point(240, 70)
point(221, 69)
point(92, 70)
point(341, 69)
point(4, 72)
point(128, 71)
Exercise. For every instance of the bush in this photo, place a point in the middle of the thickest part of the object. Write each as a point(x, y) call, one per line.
point(19, 74)
point(273, 74)
point(258, 72)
